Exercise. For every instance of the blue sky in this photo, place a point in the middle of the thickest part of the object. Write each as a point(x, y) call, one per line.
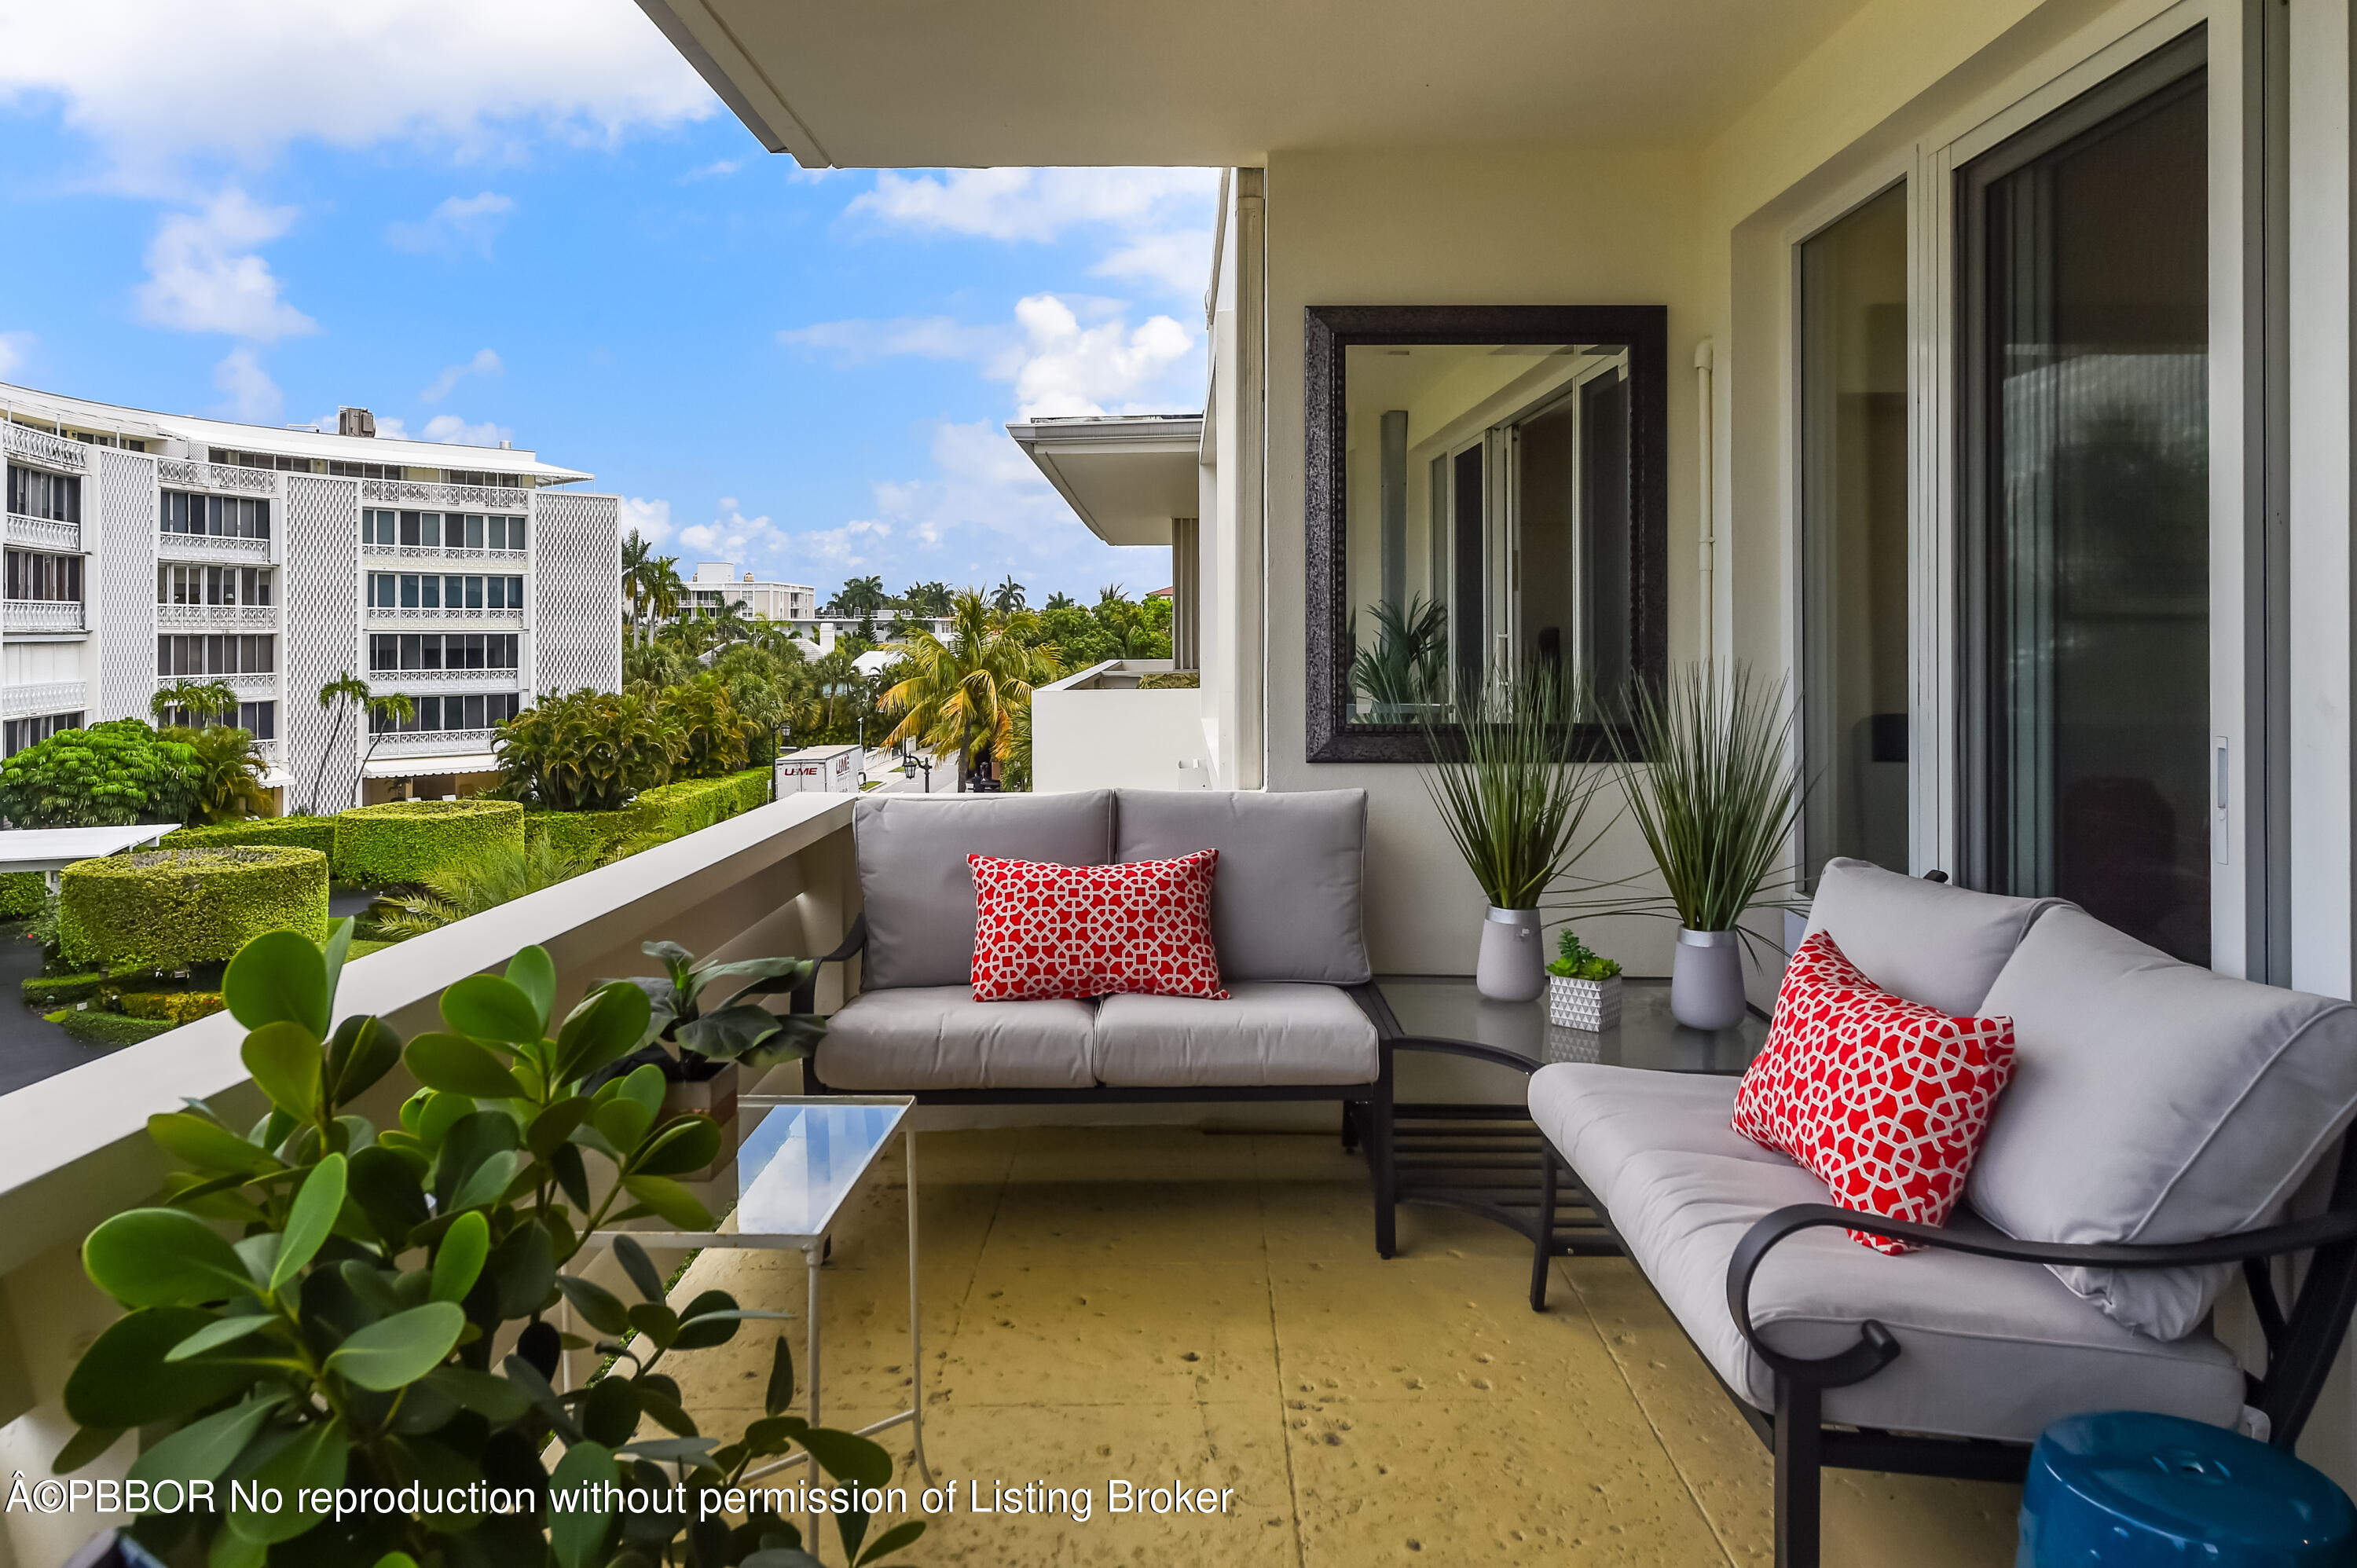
point(537, 223)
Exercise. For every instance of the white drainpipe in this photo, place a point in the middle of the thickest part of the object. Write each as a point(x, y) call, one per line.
point(1707, 507)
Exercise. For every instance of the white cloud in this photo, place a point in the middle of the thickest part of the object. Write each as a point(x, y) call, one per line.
point(1071, 369)
point(485, 363)
point(157, 94)
point(456, 222)
point(926, 337)
point(252, 396)
point(719, 168)
point(449, 427)
point(650, 519)
point(203, 277)
point(14, 347)
point(1033, 203)
point(732, 536)
point(1177, 260)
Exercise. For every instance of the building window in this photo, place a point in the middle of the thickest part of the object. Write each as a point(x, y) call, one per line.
point(483, 481)
point(32, 575)
point(22, 733)
point(223, 653)
point(506, 532)
point(472, 711)
point(213, 585)
point(443, 651)
point(236, 459)
point(220, 516)
point(344, 470)
point(34, 493)
point(379, 528)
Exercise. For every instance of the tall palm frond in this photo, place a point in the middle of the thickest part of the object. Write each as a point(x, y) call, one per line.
point(961, 691)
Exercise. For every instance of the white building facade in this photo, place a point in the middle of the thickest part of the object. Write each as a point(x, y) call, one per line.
point(147, 549)
point(716, 585)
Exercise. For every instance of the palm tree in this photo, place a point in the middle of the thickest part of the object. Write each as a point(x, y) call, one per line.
point(666, 591)
point(930, 601)
point(198, 700)
point(1008, 598)
point(393, 708)
point(963, 690)
point(639, 576)
point(1060, 601)
point(1112, 594)
point(861, 596)
point(345, 691)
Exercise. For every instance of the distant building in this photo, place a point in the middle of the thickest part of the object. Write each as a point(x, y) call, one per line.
point(717, 585)
point(144, 549)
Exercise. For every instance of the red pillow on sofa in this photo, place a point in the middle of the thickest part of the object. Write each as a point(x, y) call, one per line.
point(1044, 931)
point(1883, 1099)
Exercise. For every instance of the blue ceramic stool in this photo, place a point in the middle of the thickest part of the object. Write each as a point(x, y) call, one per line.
point(2129, 1490)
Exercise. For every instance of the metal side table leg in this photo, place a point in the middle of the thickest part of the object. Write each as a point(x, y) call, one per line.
point(916, 1340)
point(812, 1256)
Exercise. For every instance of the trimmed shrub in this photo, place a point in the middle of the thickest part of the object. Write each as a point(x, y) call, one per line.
point(1170, 680)
point(21, 893)
point(405, 841)
point(176, 907)
point(585, 836)
point(173, 1006)
point(662, 812)
point(283, 832)
point(96, 1028)
point(48, 990)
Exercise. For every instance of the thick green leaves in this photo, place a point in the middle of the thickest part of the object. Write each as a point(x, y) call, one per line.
point(847, 1457)
point(399, 1349)
point(313, 1461)
point(671, 1200)
point(579, 1533)
point(596, 1304)
point(710, 1320)
point(687, 1144)
point(553, 1126)
point(904, 1533)
point(522, 1269)
point(278, 977)
point(203, 1449)
point(85, 1446)
point(284, 1058)
point(610, 1414)
point(309, 1219)
point(206, 1144)
point(458, 1262)
point(386, 1187)
point(228, 1331)
point(124, 1381)
point(490, 1180)
point(161, 1257)
point(456, 1064)
point(729, 1032)
point(534, 973)
point(494, 1398)
point(471, 1140)
point(489, 1008)
point(610, 1023)
point(362, 1051)
point(639, 1267)
point(331, 959)
point(780, 1391)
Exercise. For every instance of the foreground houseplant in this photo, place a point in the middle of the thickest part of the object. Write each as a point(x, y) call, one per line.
point(1708, 773)
point(358, 1334)
point(1583, 986)
point(1517, 811)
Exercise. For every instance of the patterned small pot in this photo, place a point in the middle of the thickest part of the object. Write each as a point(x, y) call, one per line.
point(1590, 1004)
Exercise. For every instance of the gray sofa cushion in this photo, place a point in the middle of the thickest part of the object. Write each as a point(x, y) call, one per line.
point(2153, 1101)
point(1987, 1348)
point(1263, 1034)
point(1288, 903)
point(1929, 942)
point(913, 876)
point(938, 1037)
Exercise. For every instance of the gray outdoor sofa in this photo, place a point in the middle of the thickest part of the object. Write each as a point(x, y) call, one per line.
point(2161, 1123)
point(1301, 1020)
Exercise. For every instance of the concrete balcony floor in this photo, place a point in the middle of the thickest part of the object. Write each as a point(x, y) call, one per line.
point(1161, 1303)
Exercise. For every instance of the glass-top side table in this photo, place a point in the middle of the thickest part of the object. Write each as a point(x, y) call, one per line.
point(795, 1171)
point(1460, 1131)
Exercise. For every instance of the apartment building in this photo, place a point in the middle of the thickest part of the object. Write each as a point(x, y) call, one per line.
point(716, 585)
point(144, 549)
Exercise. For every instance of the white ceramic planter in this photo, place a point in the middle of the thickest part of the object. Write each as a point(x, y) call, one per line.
point(1511, 968)
point(1706, 979)
point(1590, 1004)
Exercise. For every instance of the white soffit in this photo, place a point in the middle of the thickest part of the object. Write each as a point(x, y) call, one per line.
point(1125, 474)
point(928, 83)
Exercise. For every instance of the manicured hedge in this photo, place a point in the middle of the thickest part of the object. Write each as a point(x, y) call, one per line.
point(172, 907)
point(172, 1006)
point(587, 836)
point(48, 990)
point(95, 1028)
point(662, 812)
point(282, 832)
point(21, 893)
point(408, 841)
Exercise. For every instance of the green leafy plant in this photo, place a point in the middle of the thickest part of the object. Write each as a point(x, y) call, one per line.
point(1407, 668)
point(109, 774)
point(714, 737)
point(1708, 768)
point(959, 694)
point(1575, 960)
point(172, 907)
point(404, 842)
point(476, 883)
point(225, 773)
point(1515, 807)
point(592, 751)
point(198, 700)
point(345, 696)
point(737, 1029)
point(354, 1333)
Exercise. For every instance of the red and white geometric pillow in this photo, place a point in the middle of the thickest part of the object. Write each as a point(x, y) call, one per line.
point(1045, 931)
point(1884, 1099)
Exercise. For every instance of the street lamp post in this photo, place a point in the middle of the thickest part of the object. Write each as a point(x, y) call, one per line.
point(910, 762)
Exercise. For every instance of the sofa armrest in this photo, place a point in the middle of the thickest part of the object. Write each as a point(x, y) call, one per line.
point(804, 997)
point(1876, 1349)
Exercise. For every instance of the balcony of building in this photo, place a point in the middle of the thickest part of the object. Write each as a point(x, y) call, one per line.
point(44, 617)
point(216, 618)
point(40, 446)
point(44, 534)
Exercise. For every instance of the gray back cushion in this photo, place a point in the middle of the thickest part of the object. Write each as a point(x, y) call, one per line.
point(2153, 1101)
point(1929, 942)
point(918, 889)
point(1287, 903)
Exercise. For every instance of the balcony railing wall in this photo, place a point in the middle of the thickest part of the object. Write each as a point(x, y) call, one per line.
point(42, 615)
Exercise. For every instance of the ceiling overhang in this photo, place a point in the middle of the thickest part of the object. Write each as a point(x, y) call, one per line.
point(1127, 475)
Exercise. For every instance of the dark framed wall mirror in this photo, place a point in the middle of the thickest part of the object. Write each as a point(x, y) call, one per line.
point(1486, 496)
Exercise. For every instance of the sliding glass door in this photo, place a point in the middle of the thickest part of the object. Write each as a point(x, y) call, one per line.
point(2087, 518)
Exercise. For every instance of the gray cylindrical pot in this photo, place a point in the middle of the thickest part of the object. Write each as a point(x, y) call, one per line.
point(1706, 979)
point(1512, 967)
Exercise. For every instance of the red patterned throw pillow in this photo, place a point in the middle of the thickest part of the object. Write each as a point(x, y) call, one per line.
point(1883, 1099)
point(1043, 932)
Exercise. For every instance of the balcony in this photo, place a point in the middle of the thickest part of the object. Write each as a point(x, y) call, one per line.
point(217, 617)
point(515, 558)
point(432, 743)
point(1100, 729)
point(49, 697)
point(383, 615)
point(36, 617)
point(44, 534)
point(175, 547)
point(177, 471)
point(488, 680)
point(464, 498)
point(40, 446)
point(248, 685)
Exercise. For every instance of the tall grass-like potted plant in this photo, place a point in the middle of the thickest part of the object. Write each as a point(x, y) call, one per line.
point(1708, 773)
point(1518, 813)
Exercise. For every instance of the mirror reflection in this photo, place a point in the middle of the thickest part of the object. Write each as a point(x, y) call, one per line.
point(1489, 526)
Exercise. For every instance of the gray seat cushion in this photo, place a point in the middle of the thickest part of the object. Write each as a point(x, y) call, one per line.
point(2153, 1101)
point(1263, 1034)
point(918, 889)
point(938, 1037)
point(1288, 903)
point(1987, 1348)
point(1928, 942)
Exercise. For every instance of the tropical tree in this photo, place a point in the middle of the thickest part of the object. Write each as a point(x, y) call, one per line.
point(961, 691)
point(1008, 598)
point(649, 582)
point(200, 700)
point(930, 601)
point(862, 596)
point(117, 772)
point(346, 694)
point(1060, 600)
point(224, 773)
point(638, 561)
point(388, 710)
